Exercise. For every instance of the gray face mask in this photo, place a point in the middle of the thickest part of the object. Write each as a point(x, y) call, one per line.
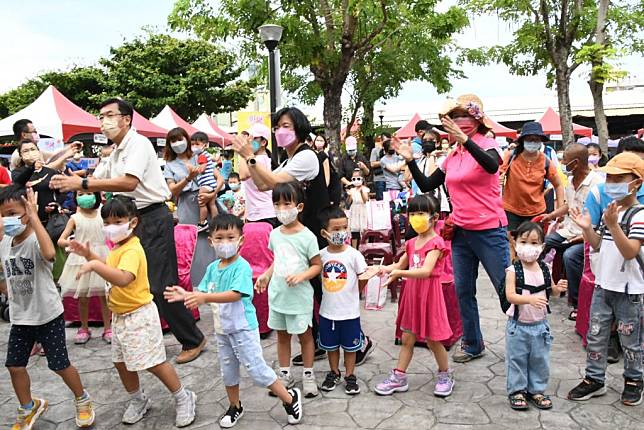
point(352, 152)
point(179, 147)
point(531, 147)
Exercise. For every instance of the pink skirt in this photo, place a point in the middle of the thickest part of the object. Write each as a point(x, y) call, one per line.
point(422, 310)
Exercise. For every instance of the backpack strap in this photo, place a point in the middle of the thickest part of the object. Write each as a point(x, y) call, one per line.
point(518, 285)
point(507, 171)
point(545, 177)
point(547, 281)
point(625, 225)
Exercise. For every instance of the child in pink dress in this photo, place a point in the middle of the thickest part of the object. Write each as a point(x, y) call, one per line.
point(422, 313)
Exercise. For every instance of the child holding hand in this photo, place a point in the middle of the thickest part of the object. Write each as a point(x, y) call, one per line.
point(228, 288)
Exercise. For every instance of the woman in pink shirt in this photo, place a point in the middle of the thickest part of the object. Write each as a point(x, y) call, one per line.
point(471, 175)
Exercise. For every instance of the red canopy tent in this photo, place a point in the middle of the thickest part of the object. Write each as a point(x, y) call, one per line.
point(209, 126)
point(408, 131)
point(146, 128)
point(54, 115)
point(551, 123)
point(502, 131)
point(169, 119)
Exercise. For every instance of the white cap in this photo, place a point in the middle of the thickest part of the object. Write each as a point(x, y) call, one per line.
point(351, 143)
point(260, 130)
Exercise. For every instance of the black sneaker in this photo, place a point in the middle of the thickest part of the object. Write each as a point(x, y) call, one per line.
point(632, 394)
point(202, 226)
point(614, 349)
point(318, 355)
point(331, 381)
point(363, 354)
point(587, 389)
point(294, 410)
point(232, 415)
point(351, 386)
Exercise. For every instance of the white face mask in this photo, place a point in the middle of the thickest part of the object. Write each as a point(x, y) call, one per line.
point(287, 216)
point(528, 253)
point(115, 233)
point(110, 128)
point(532, 147)
point(179, 146)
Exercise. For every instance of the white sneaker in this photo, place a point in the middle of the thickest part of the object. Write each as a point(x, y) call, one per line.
point(136, 410)
point(186, 410)
point(309, 385)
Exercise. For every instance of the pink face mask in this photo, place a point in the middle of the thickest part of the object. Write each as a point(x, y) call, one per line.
point(468, 125)
point(528, 253)
point(284, 137)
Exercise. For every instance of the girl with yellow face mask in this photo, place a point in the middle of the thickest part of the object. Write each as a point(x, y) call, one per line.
point(422, 313)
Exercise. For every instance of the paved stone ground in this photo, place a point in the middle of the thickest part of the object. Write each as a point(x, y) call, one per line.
point(479, 400)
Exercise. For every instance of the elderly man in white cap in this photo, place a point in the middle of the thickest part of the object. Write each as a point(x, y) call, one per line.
point(352, 161)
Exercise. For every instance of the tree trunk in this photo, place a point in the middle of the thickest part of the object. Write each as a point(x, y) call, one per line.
point(367, 126)
point(332, 112)
point(597, 87)
point(563, 98)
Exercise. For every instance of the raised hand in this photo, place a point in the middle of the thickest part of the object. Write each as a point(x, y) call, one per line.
point(403, 149)
point(79, 249)
point(611, 214)
point(582, 219)
point(453, 130)
point(174, 294)
point(242, 146)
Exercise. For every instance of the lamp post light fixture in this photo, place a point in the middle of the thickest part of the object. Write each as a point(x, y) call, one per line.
point(381, 115)
point(271, 34)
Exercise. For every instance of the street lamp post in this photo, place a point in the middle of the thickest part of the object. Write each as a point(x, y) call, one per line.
point(271, 35)
point(381, 115)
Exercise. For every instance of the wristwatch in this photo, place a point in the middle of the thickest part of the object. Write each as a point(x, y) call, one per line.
point(251, 161)
point(84, 184)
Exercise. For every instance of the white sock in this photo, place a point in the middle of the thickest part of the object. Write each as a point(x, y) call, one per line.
point(180, 395)
point(137, 395)
point(307, 372)
point(285, 370)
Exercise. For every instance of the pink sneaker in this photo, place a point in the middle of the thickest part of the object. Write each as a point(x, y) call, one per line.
point(83, 335)
point(444, 384)
point(107, 336)
point(396, 381)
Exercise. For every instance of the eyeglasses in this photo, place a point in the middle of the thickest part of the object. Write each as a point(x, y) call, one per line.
point(101, 117)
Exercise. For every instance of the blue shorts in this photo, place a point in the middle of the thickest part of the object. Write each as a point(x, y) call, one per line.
point(344, 333)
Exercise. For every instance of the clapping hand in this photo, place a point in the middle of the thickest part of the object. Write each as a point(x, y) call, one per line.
point(31, 208)
point(403, 149)
point(242, 146)
point(79, 249)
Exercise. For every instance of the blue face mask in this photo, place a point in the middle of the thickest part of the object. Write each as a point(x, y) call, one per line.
point(13, 226)
point(256, 145)
point(617, 191)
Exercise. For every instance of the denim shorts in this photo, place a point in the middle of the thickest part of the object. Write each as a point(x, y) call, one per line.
point(243, 348)
point(344, 333)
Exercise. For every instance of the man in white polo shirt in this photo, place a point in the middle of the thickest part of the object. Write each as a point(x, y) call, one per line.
point(133, 170)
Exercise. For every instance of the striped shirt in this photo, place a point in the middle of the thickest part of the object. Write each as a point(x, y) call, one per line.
point(207, 178)
point(614, 271)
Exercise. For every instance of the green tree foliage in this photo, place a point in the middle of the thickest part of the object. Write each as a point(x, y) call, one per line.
point(191, 76)
point(82, 85)
point(323, 39)
point(548, 35)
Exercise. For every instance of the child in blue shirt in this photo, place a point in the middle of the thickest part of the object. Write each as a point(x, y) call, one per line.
point(228, 287)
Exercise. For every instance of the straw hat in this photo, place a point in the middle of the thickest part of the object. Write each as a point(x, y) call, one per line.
point(470, 103)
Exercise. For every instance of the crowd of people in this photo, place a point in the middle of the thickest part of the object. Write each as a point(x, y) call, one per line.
point(108, 232)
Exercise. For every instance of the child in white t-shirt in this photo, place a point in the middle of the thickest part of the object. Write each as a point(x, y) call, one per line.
point(340, 309)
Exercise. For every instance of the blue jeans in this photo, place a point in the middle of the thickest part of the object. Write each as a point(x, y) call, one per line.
point(469, 247)
point(527, 356)
point(573, 262)
point(379, 188)
point(627, 312)
point(243, 348)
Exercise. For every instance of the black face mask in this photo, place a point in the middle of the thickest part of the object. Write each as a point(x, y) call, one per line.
point(391, 151)
point(429, 146)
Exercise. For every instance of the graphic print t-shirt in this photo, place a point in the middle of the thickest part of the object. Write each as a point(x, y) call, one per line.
point(33, 297)
point(340, 294)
